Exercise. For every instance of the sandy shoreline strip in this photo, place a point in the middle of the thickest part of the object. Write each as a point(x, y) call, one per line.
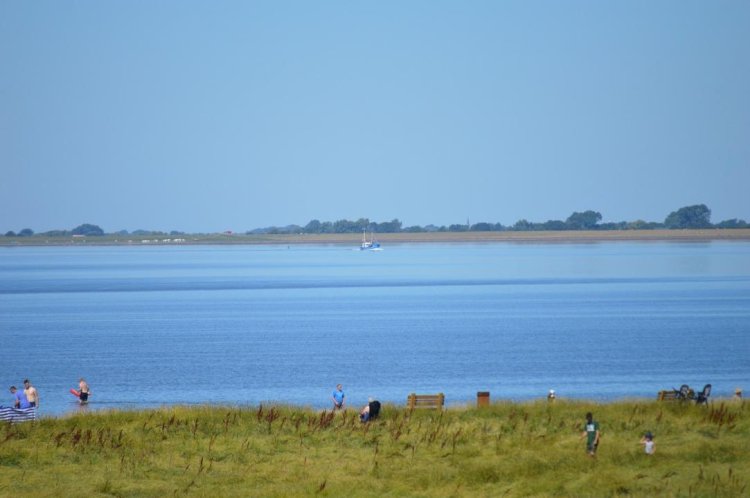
point(392, 238)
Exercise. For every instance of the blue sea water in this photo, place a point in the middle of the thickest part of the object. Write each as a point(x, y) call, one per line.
point(149, 326)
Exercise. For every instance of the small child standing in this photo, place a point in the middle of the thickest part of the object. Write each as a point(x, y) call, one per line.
point(648, 443)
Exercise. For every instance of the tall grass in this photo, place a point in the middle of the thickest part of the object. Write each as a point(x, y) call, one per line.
point(508, 449)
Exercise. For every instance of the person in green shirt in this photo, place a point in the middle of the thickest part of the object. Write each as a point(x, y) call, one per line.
point(591, 432)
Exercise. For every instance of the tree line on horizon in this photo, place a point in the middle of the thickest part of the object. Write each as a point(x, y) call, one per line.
point(689, 217)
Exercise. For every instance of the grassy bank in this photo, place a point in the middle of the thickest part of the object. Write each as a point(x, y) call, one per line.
point(505, 450)
point(388, 238)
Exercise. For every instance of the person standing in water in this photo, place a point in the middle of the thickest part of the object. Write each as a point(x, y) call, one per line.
point(84, 391)
point(19, 399)
point(32, 395)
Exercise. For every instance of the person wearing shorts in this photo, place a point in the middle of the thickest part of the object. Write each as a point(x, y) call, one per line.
point(591, 433)
point(31, 393)
point(338, 398)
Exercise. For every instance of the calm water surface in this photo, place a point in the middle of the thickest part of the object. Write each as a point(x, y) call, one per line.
point(162, 325)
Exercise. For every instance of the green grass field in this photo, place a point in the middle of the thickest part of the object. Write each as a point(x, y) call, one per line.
point(508, 449)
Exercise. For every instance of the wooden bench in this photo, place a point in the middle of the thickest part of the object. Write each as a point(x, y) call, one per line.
point(671, 395)
point(436, 401)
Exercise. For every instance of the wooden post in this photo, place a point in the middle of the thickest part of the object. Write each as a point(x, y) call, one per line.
point(483, 398)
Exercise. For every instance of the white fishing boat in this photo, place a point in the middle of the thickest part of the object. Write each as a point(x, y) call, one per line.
point(369, 245)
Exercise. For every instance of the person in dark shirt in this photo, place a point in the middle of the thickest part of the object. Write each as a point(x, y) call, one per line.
point(591, 433)
point(370, 411)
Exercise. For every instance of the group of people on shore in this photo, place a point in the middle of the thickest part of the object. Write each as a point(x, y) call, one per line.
point(368, 412)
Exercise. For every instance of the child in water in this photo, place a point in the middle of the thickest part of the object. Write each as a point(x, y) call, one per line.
point(648, 443)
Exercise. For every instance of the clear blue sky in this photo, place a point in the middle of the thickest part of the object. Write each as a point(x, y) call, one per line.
point(206, 116)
